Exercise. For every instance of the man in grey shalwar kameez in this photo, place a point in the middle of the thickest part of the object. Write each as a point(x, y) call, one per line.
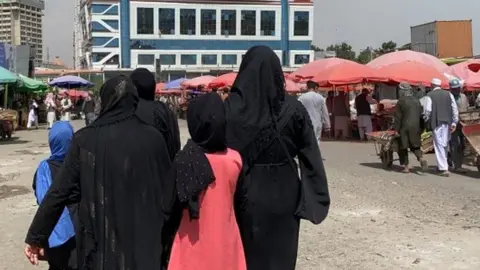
point(441, 114)
point(457, 141)
point(316, 107)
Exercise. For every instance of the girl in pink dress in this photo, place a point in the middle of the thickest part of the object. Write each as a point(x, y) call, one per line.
point(207, 171)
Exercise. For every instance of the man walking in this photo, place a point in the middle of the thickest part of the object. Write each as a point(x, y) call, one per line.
point(316, 107)
point(457, 141)
point(364, 112)
point(408, 124)
point(441, 114)
point(88, 109)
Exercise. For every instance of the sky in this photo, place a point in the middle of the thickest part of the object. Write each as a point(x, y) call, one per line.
point(361, 23)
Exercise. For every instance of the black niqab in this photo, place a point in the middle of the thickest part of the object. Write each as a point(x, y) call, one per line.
point(155, 113)
point(254, 102)
point(145, 82)
point(118, 170)
point(206, 124)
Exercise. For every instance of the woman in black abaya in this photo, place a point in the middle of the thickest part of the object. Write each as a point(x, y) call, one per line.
point(117, 170)
point(270, 129)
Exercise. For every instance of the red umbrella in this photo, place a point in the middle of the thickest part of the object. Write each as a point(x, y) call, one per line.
point(311, 69)
point(414, 73)
point(291, 86)
point(346, 73)
point(472, 82)
point(159, 88)
point(198, 81)
point(464, 69)
point(407, 55)
point(225, 80)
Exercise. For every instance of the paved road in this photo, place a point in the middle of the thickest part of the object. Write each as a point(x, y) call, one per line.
point(378, 220)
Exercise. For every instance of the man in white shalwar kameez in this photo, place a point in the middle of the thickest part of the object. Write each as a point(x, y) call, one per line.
point(51, 108)
point(32, 115)
point(66, 107)
point(316, 106)
point(441, 115)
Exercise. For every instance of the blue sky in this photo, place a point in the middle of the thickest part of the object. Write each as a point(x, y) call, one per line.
point(361, 23)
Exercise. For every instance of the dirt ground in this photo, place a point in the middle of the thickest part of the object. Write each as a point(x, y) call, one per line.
point(378, 219)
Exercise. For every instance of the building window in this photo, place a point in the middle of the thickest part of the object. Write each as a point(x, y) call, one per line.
point(300, 27)
point(229, 22)
point(248, 22)
point(146, 59)
point(229, 59)
point(188, 59)
point(97, 57)
point(96, 27)
point(267, 23)
point(208, 22)
point(112, 23)
point(301, 59)
point(209, 59)
point(166, 21)
point(145, 21)
point(113, 60)
point(187, 22)
point(167, 59)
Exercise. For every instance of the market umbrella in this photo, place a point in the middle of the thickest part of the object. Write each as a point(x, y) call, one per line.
point(27, 84)
point(291, 86)
point(175, 84)
point(414, 73)
point(70, 81)
point(7, 76)
point(346, 73)
point(311, 69)
point(472, 82)
point(407, 55)
point(225, 80)
point(462, 70)
point(198, 81)
point(159, 87)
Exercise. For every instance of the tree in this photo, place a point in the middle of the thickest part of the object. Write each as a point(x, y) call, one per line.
point(407, 46)
point(342, 50)
point(316, 48)
point(366, 55)
point(387, 47)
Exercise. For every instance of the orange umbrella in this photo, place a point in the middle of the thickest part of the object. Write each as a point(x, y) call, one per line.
point(225, 80)
point(291, 86)
point(407, 55)
point(159, 88)
point(414, 73)
point(346, 73)
point(198, 81)
point(311, 69)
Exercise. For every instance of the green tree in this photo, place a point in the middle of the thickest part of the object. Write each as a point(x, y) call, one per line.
point(387, 47)
point(343, 50)
point(366, 55)
point(407, 46)
point(316, 48)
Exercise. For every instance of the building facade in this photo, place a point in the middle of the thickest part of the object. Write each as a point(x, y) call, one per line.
point(194, 35)
point(21, 24)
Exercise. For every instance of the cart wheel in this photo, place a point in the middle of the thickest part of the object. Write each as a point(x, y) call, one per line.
point(477, 161)
point(385, 157)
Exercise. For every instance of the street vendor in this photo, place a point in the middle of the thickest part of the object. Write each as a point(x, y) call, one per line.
point(457, 141)
point(408, 123)
point(363, 104)
point(66, 107)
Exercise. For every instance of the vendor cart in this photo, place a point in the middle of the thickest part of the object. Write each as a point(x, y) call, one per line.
point(386, 143)
point(470, 122)
point(8, 123)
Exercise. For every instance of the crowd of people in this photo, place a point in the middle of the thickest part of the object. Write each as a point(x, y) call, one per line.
point(121, 194)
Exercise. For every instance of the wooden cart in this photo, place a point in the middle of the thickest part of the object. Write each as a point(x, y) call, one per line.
point(8, 124)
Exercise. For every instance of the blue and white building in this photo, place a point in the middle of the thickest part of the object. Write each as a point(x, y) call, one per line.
point(193, 35)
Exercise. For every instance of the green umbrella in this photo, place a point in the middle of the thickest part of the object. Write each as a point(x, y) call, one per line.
point(6, 76)
point(27, 84)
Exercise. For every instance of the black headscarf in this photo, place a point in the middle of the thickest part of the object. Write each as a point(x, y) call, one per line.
point(119, 100)
point(145, 82)
point(255, 100)
point(206, 124)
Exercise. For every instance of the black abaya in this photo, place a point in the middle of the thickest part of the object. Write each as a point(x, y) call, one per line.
point(270, 198)
point(118, 170)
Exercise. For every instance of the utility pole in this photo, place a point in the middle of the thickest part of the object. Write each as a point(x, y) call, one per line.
point(285, 33)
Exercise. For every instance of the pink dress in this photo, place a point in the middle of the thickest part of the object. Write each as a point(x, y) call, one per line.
point(213, 241)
